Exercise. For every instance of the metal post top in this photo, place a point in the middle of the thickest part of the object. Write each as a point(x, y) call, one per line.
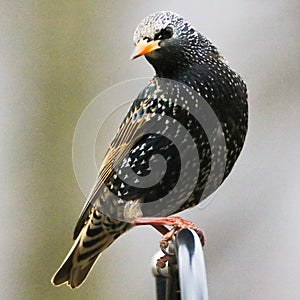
point(189, 260)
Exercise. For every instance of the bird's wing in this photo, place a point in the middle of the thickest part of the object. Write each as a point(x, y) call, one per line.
point(128, 134)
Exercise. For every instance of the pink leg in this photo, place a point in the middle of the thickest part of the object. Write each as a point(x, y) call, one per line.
point(178, 223)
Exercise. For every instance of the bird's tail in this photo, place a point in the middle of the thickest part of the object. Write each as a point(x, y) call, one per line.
point(96, 235)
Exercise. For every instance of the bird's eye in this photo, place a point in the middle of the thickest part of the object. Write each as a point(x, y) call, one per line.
point(165, 33)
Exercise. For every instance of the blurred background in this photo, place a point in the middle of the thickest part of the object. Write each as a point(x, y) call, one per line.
point(55, 57)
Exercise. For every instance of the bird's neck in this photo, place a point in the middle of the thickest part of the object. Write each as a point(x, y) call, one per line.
point(177, 72)
point(170, 66)
point(184, 73)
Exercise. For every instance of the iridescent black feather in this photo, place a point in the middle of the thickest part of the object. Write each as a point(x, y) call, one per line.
point(192, 62)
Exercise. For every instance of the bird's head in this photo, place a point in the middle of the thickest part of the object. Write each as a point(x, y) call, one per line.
point(169, 42)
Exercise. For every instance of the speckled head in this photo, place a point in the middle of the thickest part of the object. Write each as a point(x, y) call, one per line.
point(151, 26)
point(168, 41)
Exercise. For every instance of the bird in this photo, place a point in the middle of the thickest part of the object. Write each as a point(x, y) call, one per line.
point(190, 73)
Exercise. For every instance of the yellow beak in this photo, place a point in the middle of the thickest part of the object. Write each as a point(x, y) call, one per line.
point(143, 47)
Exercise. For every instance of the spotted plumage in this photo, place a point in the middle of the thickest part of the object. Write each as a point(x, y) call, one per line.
point(163, 120)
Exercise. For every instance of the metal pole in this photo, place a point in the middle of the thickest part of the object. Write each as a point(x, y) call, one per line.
point(184, 276)
point(191, 266)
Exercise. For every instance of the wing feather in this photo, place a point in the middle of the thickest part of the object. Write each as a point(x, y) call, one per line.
point(130, 131)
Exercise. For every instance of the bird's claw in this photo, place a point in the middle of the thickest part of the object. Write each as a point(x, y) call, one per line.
point(162, 261)
point(177, 224)
point(164, 242)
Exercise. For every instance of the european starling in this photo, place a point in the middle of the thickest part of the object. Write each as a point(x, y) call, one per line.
point(190, 75)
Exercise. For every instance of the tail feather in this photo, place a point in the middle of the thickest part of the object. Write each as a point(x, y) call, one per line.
point(63, 274)
point(96, 235)
point(72, 273)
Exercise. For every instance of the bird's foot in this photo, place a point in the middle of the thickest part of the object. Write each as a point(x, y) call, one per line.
point(162, 261)
point(177, 224)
